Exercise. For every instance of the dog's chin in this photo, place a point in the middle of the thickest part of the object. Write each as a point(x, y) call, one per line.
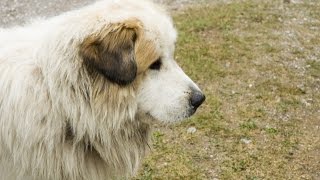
point(171, 119)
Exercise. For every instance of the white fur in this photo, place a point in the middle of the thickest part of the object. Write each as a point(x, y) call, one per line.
point(165, 94)
point(44, 90)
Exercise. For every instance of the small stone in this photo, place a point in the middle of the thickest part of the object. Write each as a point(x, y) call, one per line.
point(228, 64)
point(246, 141)
point(191, 130)
point(305, 102)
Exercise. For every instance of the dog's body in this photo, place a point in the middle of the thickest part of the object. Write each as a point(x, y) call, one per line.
point(79, 92)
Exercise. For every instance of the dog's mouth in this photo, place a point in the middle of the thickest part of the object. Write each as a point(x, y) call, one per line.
point(172, 114)
point(174, 118)
point(191, 112)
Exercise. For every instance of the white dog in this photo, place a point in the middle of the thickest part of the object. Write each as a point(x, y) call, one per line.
point(79, 92)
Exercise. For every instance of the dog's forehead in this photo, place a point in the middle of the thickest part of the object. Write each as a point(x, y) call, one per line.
point(156, 19)
point(157, 22)
point(159, 34)
point(161, 31)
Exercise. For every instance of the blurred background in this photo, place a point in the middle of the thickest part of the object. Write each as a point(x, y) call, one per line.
point(258, 61)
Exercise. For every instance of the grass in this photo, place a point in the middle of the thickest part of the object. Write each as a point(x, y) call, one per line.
point(259, 64)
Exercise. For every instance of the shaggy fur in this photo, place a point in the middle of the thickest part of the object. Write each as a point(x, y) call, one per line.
point(69, 87)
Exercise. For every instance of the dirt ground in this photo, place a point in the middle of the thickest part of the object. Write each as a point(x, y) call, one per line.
point(15, 12)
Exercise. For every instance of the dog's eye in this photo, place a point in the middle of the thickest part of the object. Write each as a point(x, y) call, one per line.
point(156, 65)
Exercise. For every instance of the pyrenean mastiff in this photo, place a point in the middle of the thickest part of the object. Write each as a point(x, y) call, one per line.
point(79, 91)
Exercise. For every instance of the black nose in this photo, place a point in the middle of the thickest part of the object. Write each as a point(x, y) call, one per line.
point(197, 99)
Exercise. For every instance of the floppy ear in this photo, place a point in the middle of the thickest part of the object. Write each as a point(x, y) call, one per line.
point(112, 52)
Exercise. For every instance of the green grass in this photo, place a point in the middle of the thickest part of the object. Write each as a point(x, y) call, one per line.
point(259, 64)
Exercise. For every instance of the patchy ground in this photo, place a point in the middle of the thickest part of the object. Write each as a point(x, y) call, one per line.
point(15, 12)
point(259, 64)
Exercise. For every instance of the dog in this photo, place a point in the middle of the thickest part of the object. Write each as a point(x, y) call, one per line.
point(79, 92)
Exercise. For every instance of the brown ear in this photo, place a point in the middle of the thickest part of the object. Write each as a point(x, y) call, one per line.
point(112, 53)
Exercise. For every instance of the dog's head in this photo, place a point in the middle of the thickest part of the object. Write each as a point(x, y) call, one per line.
point(139, 52)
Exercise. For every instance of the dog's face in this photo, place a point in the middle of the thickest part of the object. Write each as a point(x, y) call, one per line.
point(140, 54)
point(166, 93)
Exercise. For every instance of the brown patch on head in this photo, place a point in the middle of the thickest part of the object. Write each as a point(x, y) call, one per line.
point(146, 53)
point(112, 52)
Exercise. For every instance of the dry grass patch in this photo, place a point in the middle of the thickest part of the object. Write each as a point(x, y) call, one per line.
point(259, 65)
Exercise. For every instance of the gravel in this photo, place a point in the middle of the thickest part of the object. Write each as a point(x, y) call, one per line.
point(15, 12)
